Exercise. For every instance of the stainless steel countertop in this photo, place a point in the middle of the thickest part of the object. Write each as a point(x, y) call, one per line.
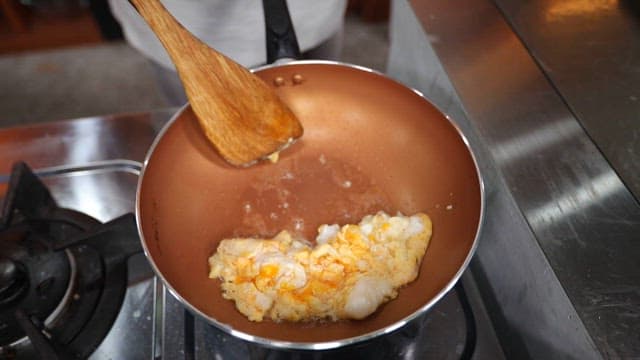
point(590, 52)
point(562, 239)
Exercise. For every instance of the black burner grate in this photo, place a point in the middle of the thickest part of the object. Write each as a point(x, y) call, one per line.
point(62, 273)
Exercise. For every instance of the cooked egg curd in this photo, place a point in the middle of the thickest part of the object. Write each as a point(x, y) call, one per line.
point(351, 271)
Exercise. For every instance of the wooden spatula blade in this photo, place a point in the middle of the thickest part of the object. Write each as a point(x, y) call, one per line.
point(240, 115)
point(248, 121)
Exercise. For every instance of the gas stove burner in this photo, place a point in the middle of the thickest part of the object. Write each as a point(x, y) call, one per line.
point(62, 273)
point(40, 282)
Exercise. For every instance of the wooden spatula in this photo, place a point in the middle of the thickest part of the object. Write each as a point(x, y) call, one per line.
point(240, 115)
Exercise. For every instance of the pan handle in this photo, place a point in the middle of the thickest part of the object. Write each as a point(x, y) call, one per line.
point(281, 37)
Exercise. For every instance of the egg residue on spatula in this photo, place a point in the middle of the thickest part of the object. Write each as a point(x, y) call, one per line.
point(350, 272)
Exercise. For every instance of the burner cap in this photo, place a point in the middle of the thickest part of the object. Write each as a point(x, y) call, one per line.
point(33, 280)
point(13, 281)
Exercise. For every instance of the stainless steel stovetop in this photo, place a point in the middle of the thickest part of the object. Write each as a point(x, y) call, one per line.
point(92, 165)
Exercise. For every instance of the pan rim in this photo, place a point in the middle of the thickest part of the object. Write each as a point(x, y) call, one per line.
point(327, 345)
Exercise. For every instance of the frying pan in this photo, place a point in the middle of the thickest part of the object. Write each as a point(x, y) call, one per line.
point(370, 144)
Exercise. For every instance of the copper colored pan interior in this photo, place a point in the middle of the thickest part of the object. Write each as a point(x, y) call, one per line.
point(370, 144)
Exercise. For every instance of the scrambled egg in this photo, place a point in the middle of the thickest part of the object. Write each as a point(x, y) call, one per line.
point(349, 273)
